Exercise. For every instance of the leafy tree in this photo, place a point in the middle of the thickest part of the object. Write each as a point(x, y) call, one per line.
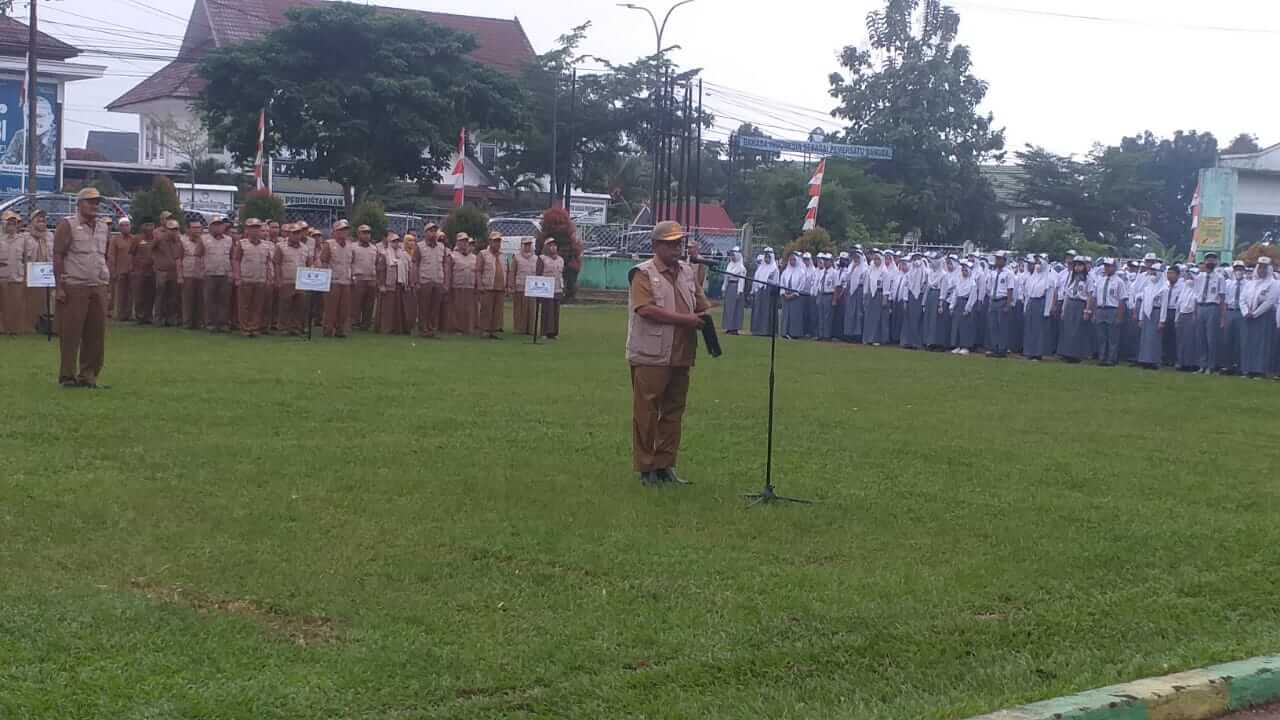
point(262, 204)
point(389, 106)
point(813, 241)
point(912, 88)
point(468, 219)
point(373, 214)
point(147, 205)
point(207, 170)
point(851, 198)
point(1251, 255)
point(1243, 143)
point(1055, 237)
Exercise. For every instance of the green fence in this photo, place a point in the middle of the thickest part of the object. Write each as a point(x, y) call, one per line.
point(607, 273)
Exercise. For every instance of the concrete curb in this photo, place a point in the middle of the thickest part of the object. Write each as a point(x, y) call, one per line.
point(1194, 695)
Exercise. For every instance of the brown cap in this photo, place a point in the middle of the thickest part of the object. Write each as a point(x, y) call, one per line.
point(89, 193)
point(495, 235)
point(431, 226)
point(38, 211)
point(10, 215)
point(364, 228)
point(253, 222)
point(165, 214)
point(527, 240)
point(668, 231)
point(462, 237)
point(341, 225)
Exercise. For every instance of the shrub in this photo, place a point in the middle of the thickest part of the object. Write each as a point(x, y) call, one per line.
point(373, 214)
point(148, 204)
point(557, 225)
point(263, 205)
point(1254, 252)
point(471, 220)
point(812, 241)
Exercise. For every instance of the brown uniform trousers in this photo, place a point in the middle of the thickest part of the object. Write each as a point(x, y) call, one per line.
point(491, 310)
point(522, 309)
point(142, 286)
point(13, 308)
point(430, 299)
point(551, 316)
point(393, 306)
point(122, 296)
point(217, 302)
point(253, 304)
point(658, 400)
point(364, 293)
point(337, 311)
point(82, 330)
point(165, 310)
point(463, 303)
point(193, 305)
point(291, 306)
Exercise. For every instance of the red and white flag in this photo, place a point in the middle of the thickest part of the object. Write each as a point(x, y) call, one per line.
point(815, 192)
point(262, 138)
point(1195, 223)
point(460, 171)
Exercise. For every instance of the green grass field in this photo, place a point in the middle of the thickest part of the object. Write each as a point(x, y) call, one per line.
point(387, 528)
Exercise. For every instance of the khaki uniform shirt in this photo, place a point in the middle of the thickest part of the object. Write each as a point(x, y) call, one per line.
point(522, 266)
point(431, 262)
point(489, 271)
point(118, 259)
point(289, 259)
point(192, 263)
point(13, 257)
point(339, 258)
point(83, 249)
point(41, 246)
point(464, 269)
point(554, 267)
point(255, 261)
point(141, 252)
point(166, 254)
point(685, 341)
point(364, 262)
point(217, 255)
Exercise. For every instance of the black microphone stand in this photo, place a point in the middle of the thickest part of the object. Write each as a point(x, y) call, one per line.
point(767, 495)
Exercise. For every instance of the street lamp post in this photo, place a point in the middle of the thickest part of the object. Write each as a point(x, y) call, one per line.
point(658, 30)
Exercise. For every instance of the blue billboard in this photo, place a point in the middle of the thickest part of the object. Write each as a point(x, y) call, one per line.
point(13, 136)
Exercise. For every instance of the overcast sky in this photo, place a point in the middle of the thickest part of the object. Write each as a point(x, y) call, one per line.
point(1057, 81)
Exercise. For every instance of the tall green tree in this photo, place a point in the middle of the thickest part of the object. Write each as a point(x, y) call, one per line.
point(1242, 144)
point(357, 95)
point(855, 205)
point(912, 88)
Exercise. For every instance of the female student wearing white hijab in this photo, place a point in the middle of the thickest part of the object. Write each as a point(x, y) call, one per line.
point(1155, 295)
point(809, 296)
point(1173, 280)
point(895, 276)
point(762, 305)
point(874, 303)
point(1188, 354)
point(932, 303)
point(794, 277)
point(950, 275)
point(915, 281)
point(734, 297)
point(1038, 306)
point(1257, 306)
point(964, 300)
point(854, 303)
point(1073, 344)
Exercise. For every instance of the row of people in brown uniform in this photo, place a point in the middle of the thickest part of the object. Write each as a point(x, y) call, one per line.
point(221, 279)
point(21, 306)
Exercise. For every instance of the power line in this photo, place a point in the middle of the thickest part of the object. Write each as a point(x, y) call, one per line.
point(145, 6)
point(108, 23)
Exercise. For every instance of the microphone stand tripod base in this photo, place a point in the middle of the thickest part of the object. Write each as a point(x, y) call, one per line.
point(768, 496)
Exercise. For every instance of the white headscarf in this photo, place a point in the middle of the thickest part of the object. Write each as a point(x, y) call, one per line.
point(737, 267)
point(766, 270)
point(1152, 290)
point(875, 275)
point(793, 276)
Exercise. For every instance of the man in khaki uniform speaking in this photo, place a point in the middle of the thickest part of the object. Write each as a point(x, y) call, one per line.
point(80, 269)
point(666, 304)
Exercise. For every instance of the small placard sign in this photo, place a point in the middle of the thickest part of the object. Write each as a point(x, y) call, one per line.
point(313, 279)
point(537, 286)
point(40, 275)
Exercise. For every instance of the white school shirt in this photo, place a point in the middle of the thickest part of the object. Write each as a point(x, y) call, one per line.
point(828, 279)
point(1229, 287)
point(969, 287)
point(1259, 297)
point(1001, 282)
point(1208, 282)
point(1109, 294)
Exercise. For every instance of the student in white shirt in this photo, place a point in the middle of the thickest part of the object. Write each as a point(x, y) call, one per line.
point(1258, 307)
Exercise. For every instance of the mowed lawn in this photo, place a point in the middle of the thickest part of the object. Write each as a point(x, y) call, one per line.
point(393, 528)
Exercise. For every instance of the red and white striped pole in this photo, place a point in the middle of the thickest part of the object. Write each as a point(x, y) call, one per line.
point(815, 192)
point(257, 162)
point(460, 171)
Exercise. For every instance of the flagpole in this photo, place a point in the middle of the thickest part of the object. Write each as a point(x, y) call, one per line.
point(33, 157)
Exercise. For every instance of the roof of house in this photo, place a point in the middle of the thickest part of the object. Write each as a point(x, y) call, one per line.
point(501, 44)
point(85, 154)
point(711, 217)
point(15, 37)
point(1265, 160)
point(113, 146)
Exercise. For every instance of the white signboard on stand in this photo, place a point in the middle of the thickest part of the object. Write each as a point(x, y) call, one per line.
point(40, 275)
point(313, 279)
point(537, 286)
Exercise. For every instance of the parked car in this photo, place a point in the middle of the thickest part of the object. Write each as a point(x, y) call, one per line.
point(59, 205)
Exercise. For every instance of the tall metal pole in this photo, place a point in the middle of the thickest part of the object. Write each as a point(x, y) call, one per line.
point(573, 140)
point(670, 135)
point(553, 190)
point(697, 172)
point(687, 170)
point(683, 127)
point(33, 152)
